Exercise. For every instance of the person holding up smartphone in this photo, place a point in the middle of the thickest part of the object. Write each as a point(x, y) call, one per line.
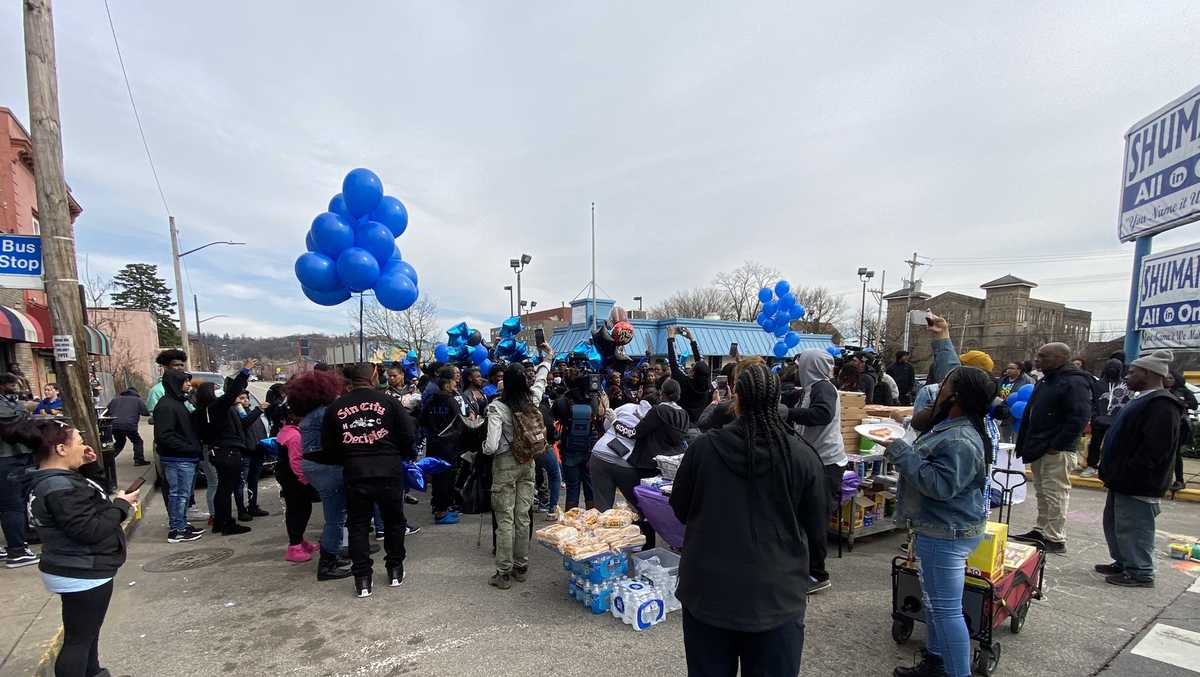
point(83, 543)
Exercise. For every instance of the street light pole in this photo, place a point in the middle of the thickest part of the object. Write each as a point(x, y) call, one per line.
point(518, 266)
point(508, 288)
point(864, 275)
point(639, 300)
point(175, 256)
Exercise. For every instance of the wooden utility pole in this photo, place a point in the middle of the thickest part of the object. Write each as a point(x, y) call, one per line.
point(54, 216)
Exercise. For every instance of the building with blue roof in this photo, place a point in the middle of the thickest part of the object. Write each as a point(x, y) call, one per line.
point(714, 337)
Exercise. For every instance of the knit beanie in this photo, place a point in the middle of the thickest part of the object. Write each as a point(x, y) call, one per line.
point(1157, 362)
point(977, 358)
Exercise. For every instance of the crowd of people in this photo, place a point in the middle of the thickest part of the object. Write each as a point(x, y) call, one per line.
point(762, 467)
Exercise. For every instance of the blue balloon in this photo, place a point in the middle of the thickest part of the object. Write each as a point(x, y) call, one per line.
point(441, 353)
point(458, 334)
point(317, 272)
point(395, 291)
point(797, 312)
point(485, 367)
point(332, 234)
point(764, 295)
point(1025, 392)
point(362, 190)
point(770, 307)
point(377, 239)
point(309, 243)
point(511, 327)
point(326, 298)
point(834, 351)
point(780, 349)
point(787, 302)
point(338, 206)
point(358, 269)
point(405, 268)
point(763, 320)
point(792, 339)
point(391, 213)
point(478, 354)
point(782, 288)
point(1018, 409)
point(781, 330)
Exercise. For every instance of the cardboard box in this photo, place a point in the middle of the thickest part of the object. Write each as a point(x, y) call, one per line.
point(1016, 554)
point(987, 561)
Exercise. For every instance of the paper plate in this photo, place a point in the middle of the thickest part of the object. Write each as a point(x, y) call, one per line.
point(871, 431)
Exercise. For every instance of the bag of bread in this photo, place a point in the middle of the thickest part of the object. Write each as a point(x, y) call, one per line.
point(617, 518)
point(583, 548)
point(557, 534)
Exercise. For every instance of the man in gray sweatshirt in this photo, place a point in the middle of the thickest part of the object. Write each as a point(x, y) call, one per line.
point(818, 419)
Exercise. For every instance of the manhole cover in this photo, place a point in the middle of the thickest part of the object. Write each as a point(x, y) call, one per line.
point(192, 559)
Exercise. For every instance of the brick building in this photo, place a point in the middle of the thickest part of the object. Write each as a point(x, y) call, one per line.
point(1007, 323)
point(546, 320)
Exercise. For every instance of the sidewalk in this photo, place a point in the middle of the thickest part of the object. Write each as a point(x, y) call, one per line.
point(31, 617)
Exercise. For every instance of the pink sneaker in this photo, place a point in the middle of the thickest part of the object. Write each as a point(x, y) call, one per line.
point(297, 553)
point(308, 547)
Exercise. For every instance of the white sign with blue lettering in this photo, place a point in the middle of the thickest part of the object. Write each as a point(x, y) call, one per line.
point(1160, 186)
point(1169, 299)
point(21, 262)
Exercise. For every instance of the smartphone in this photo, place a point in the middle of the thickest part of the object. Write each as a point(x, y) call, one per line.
point(539, 336)
point(733, 349)
point(929, 318)
point(137, 484)
point(723, 386)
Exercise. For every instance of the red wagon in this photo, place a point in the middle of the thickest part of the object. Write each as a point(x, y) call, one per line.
point(987, 604)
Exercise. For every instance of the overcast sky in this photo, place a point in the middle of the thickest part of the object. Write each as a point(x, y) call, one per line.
point(810, 136)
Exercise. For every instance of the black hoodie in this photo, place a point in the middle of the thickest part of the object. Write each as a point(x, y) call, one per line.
point(175, 436)
point(750, 529)
point(219, 422)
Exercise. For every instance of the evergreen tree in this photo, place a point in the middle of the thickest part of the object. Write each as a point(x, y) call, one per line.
point(138, 286)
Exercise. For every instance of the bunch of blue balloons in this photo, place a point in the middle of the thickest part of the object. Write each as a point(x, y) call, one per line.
point(463, 346)
point(352, 247)
point(509, 348)
point(585, 351)
point(779, 309)
point(1017, 402)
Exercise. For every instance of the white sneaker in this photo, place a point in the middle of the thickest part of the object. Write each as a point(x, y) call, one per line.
point(197, 514)
point(1089, 472)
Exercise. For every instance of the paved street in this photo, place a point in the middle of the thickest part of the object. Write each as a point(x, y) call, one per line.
point(255, 614)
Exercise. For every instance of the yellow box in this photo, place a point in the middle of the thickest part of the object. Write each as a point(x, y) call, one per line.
point(987, 561)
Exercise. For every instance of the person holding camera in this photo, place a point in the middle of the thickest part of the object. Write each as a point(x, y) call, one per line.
point(696, 384)
point(220, 427)
point(580, 413)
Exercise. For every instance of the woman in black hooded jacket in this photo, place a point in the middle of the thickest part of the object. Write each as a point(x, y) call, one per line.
point(697, 383)
point(753, 497)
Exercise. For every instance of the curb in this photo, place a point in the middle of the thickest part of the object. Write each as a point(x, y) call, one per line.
point(45, 666)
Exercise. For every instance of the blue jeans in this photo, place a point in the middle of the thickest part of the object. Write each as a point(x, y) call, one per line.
point(181, 477)
point(548, 463)
point(327, 480)
point(943, 574)
point(578, 477)
point(1129, 530)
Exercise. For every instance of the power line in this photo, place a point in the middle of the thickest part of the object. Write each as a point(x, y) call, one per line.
point(133, 104)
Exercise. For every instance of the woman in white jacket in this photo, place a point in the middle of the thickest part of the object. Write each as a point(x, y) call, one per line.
point(512, 482)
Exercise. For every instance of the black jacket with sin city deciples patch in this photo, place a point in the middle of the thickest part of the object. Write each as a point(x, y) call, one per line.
point(370, 432)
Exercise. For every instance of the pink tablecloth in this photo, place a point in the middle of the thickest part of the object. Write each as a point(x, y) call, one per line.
point(658, 513)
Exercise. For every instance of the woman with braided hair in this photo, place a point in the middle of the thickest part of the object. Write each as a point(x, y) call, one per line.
point(944, 499)
point(753, 497)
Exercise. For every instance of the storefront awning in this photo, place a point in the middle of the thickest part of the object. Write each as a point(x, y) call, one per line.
point(97, 342)
point(16, 325)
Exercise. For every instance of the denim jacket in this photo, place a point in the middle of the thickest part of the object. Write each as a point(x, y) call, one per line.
point(310, 430)
point(943, 481)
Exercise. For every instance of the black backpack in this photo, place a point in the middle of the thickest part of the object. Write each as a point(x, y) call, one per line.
point(475, 485)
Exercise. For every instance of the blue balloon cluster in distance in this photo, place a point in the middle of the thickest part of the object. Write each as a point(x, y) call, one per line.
point(779, 309)
point(1017, 402)
point(352, 247)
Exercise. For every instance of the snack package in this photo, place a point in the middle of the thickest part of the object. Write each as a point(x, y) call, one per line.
point(583, 548)
point(557, 534)
point(629, 542)
point(616, 518)
point(611, 536)
point(591, 517)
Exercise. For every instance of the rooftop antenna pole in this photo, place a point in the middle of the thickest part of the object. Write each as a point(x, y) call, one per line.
point(593, 265)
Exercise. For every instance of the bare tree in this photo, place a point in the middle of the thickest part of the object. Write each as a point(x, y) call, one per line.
point(414, 329)
point(96, 286)
point(740, 288)
point(823, 310)
point(693, 303)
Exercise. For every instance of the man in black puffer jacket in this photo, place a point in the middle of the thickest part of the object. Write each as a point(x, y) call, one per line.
point(1137, 457)
point(221, 429)
point(1054, 419)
